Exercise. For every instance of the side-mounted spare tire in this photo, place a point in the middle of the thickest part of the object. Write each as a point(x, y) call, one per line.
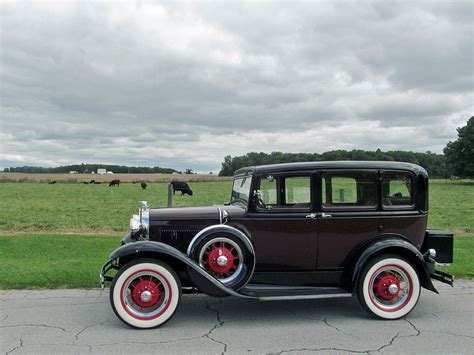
point(226, 255)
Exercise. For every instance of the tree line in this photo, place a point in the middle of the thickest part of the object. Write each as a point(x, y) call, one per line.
point(89, 168)
point(457, 160)
point(435, 164)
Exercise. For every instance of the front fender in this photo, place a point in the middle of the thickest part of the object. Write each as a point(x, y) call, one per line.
point(399, 247)
point(200, 278)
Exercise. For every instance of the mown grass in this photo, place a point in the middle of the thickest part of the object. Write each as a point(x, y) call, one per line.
point(44, 207)
point(52, 260)
point(68, 261)
point(76, 207)
point(452, 206)
point(34, 255)
point(463, 264)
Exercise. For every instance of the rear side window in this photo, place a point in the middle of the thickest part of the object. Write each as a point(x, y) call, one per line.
point(348, 189)
point(397, 190)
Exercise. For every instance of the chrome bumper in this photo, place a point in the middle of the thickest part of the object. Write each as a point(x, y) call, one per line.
point(103, 277)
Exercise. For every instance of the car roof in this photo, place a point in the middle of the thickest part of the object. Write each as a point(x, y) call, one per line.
point(340, 164)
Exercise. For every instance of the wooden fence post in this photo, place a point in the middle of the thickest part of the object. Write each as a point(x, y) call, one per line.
point(170, 195)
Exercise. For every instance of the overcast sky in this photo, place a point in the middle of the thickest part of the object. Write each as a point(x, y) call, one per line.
point(183, 85)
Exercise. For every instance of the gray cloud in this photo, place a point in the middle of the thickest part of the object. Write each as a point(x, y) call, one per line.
point(183, 85)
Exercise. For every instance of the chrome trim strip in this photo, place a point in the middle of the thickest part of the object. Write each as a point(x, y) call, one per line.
point(302, 297)
point(220, 214)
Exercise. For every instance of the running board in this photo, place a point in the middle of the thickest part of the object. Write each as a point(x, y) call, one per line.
point(283, 293)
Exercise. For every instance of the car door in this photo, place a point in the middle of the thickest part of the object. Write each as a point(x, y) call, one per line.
point(348, 214)
point(282, 222)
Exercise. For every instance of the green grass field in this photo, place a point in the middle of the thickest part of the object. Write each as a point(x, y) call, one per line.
point(36, 253)
point(91, 208)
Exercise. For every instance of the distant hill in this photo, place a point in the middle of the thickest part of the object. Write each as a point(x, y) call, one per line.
point(89, 168)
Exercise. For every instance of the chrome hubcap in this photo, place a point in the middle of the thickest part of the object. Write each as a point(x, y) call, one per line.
point(145, 296)
point(393, 289)
point(222, 260)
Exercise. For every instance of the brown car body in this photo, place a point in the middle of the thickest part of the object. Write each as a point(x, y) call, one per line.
point(324, 242)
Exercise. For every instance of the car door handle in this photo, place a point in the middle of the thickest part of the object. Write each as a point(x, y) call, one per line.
point(325, 215)
point(311, 215)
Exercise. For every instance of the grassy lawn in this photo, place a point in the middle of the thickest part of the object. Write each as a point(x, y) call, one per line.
point(67, 261)
point(79, 207)
point(53, 260)
point(34, 253)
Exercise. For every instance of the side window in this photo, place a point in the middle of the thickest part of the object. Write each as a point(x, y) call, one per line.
point(298, 191)
point(282, 193)
point(268, 190)
point(348, 189)
point(397, 190)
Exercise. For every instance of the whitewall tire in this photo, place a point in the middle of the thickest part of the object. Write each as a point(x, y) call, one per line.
point(389, 287)
point(145, 293)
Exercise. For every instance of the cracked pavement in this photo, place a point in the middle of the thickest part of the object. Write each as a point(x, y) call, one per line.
point(82, 321)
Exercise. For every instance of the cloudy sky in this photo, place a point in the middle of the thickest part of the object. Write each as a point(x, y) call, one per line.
point(183, 85)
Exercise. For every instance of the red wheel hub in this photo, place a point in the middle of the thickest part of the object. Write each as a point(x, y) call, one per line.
point(219, 258)
point(387, 286)
point(146, 292)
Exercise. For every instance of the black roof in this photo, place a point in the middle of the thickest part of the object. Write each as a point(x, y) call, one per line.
point(340, 164)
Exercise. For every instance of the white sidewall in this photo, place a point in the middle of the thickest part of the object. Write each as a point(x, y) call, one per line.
point(139, 323)
point(414, 297)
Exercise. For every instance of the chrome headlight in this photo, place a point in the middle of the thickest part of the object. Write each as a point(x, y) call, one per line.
point(140, 223)
point(135, 223)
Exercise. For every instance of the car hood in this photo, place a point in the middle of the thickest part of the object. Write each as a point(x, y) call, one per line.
point(200, 213)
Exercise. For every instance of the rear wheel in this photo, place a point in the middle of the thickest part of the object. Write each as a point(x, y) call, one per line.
point(388, 287)
point(145, 293)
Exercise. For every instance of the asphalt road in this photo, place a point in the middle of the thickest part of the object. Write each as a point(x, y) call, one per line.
point(81, 321)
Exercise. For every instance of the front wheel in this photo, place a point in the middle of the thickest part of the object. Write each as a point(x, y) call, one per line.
point(145, 293)
point(389, 287)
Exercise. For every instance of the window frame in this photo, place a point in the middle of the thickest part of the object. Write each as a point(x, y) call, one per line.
point(410, 207)
point(280, 178)
point(347, 173)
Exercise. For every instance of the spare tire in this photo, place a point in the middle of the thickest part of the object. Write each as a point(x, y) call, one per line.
point(226, 257)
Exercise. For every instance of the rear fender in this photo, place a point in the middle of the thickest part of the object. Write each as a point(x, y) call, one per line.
point(397, 246)
point(177, 260)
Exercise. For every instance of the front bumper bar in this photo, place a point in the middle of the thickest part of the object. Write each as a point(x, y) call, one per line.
point(103, 277)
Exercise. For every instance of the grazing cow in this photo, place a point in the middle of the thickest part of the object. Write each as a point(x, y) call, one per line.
point(114, 182)
point(85, 183)
point(92, 182)
point(181, 186)
point(143, 185)
point(52, 182)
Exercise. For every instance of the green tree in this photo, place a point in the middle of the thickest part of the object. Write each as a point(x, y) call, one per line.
point(460, 153)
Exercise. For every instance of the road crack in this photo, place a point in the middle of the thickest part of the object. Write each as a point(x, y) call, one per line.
point(220, 323)
point(15, 348)
point(76, 336)
point(33, 325)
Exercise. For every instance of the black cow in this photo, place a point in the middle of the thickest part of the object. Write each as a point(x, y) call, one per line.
point(114, 182)
point(181, 186)
point(92, 182)
point(143, 185)
point(52, 182)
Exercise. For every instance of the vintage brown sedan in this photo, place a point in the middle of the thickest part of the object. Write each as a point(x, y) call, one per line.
point(290, 231)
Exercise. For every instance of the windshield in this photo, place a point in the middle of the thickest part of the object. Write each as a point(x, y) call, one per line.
point(241, 189)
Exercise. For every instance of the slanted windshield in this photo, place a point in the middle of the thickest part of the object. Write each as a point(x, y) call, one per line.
point(241, 189)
